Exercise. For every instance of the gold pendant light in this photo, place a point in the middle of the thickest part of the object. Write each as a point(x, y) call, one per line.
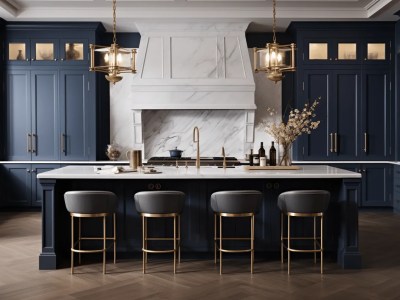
point(275, 59)
point(113, 59)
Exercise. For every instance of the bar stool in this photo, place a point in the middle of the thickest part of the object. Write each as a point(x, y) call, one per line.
point(91, 204)
point(160, 204)
point(303, 203)
point(234, 204)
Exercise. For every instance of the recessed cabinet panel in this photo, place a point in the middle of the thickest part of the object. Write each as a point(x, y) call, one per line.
point(318, 51)
point(347, 51)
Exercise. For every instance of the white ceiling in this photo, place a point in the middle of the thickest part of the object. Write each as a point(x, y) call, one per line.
point(258, 12)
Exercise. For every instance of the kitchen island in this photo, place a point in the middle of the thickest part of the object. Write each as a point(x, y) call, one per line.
point(341, 221)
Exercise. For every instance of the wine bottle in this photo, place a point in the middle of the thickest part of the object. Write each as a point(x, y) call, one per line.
point(261, 151)
point(272, 155)
point(251, 157)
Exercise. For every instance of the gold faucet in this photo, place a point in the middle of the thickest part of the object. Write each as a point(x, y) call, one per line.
point(224, 158)
point(196, 139)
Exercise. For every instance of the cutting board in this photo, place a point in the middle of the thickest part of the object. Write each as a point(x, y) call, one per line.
point(272, 168)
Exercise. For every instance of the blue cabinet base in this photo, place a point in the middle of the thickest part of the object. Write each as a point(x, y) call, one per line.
point(341, 221)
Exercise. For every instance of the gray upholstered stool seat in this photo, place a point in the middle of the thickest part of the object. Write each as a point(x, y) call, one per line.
point(160, 204)
point(303, 203)
point(91, 204)
point(239, 203)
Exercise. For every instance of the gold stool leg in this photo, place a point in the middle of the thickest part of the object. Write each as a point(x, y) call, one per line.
point(215, 238)
point(115, 238)
point(281, 237)
point(315, 243)
point(322, 244)
point(72, 244)
point(179, 238)
point(143, 243)
point(252, 244)
point(220, 245)
point(174, 244)
point(80, 237)
point(288, 242)
point(104, 245)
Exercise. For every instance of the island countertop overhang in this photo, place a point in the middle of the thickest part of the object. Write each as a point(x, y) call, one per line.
point(305, 172)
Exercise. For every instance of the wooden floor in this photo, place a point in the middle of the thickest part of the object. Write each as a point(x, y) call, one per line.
point(199, 279)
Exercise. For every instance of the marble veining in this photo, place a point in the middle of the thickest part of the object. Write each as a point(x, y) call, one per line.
point(164, 130)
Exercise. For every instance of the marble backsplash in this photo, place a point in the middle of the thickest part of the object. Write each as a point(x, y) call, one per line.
point(164, 130)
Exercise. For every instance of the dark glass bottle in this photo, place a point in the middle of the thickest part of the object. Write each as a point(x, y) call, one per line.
point(251, 157)
point(272, 155)
point(261, 151)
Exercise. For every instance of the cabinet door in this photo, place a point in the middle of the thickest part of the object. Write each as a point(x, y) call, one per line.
point(45, 129)
point(17, 184)
point(75, 132)
point(18, 145)
point(345, 92)
point(316, 146)
point(44, 52)
point(74, 52)
point(37, 191)
point(376, 107)
point(377, 51)
point(376, 187)
point(396, 188)
point(18, 52)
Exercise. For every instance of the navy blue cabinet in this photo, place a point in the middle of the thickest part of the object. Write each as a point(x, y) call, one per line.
point(336, 136)
point(51, 107)
point(376, 183)
point(348, 65)
point(21, 187)
point(396, 188)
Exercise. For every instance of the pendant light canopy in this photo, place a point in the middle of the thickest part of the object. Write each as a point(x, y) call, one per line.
point(112, 59)
point(275, 59)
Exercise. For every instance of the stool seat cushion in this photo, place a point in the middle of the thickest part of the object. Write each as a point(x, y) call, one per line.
point(91, 202)
point(304, 201)
point(159, 202)
point(236, 202)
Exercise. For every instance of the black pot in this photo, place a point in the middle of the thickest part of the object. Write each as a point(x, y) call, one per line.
point(175, 153)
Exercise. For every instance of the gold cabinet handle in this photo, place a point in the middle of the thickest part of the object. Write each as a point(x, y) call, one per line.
point(336, 135)
point(365, 142)
point(33, 142)
point(331, 148)
point(63, 143)
point(29, 143)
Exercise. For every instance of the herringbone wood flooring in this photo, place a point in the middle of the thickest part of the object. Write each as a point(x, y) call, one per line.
point(199, 279)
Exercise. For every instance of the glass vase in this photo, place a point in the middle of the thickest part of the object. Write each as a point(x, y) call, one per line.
point(285, 154)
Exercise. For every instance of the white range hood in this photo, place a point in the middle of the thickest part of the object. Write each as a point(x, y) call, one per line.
point(192, 65)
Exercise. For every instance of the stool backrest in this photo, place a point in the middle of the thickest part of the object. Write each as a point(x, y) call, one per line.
point(91, 202)
point(159, 202)
point(304, 201)
point(235, 202)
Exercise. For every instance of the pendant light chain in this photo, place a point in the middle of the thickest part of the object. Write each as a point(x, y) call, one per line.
point(115, 22)
point(274, 20)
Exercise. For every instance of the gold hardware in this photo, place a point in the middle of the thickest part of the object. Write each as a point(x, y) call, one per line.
point(196, 139)
point(224, 158)
point(29, 143)
point(33, 143)
point(336, 136)
point(331, 148)
point(365, 142)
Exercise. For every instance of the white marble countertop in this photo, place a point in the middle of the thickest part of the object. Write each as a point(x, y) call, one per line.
point(306, 171)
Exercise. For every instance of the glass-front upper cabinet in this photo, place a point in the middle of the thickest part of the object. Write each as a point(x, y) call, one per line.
point(345, 51)
point(47, 52)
